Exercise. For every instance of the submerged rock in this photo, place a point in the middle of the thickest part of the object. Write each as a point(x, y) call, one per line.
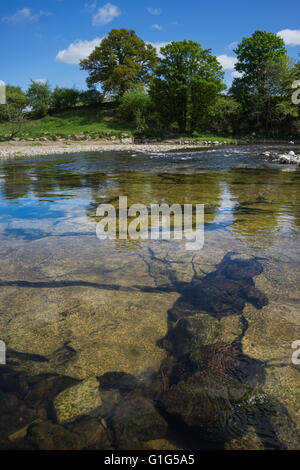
point(200, 330)
point(119, 381)
point(46, 387)
point(136, 418)
point(77, 401)
point(49, 436)
point(209, 377)
point(196, 330)
point(224, 291)
point(93, 434)
point(200, 402)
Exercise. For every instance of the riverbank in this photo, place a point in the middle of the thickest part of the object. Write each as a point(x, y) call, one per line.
point(29, 149)
point(26, 149)
point(285, 158)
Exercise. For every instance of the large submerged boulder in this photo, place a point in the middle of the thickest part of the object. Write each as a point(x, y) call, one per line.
point(77, 401)
point(137, 419)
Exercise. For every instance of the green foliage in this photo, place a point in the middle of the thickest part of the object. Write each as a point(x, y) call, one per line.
point(121, 60)
point(135, 106)
point(91, 97)
point(187, 81)
point(265, 86)
point(16, 101)
point(39, 97)
point(64, 98)
point(223, 117)
point(13, 110)
point(178, 94)
point(78, 123)
point(252, 53)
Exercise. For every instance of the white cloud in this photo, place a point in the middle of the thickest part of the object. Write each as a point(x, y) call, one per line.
point(232, 45)
point(236, 74)
point(25, 15)
point(291, 37)
point(158, 45)
point(227, 62)
point(77, 50)
point(106, 14)
point(41, 81)
point(154, 11)
point(157, 26)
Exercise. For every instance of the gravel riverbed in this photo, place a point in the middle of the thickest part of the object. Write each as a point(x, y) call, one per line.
point(26, 149)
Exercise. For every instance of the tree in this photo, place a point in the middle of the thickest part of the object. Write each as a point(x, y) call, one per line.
point(39, 97)
point(264, 87)
point(187, 80)
point(266, 77)
point(252, 53)
point(91, 97)
point(13, 110)
point(223, 117)
point(135, 105)
point(64, 98)
point(120, 61)
point(16, 99)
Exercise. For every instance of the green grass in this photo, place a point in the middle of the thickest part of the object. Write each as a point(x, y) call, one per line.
point(212, 138)
point(69, 124)
point(88, 123)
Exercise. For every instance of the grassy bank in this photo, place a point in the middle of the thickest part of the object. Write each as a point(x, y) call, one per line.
point(78, 124)
point(89, 124)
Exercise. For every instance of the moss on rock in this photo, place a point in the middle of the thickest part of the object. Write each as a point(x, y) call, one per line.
point(77, 401)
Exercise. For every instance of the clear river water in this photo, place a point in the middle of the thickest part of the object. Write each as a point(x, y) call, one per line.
point(141, 344)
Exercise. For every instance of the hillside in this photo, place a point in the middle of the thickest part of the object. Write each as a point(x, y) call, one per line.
point(76, 124)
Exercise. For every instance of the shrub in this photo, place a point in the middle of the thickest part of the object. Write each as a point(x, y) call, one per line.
point(64, 98)
point(136, 106)
point(91, 97)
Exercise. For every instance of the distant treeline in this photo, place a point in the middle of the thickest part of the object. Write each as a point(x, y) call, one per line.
point(181, 90)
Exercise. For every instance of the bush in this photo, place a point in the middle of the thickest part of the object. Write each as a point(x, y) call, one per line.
point(16, 101)
point(39, 96)
point(64, 98)
point(91, 97)
point(223, 118)
point(136, 106)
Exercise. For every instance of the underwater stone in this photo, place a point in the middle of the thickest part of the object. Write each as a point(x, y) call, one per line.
point(77, 401)
point(49, 436)
point(206, 400)
point(93, 434)
point(195, 330)
point(226, 290)
point(198, 401)
point(136, 418)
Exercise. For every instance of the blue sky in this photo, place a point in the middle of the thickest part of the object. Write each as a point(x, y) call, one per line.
point(44, 39)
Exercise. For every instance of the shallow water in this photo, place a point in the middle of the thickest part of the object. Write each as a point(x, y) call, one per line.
point(113, 321)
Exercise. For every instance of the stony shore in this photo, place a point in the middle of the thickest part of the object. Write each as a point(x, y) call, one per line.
point(285, 158)
point(27, 149)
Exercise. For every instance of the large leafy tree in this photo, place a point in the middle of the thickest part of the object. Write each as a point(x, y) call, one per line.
point(187, 81)
point(14, 109)
point(16, 101)
point(39, 96)
point(253, 52)
point(266, 76)
point(120, 61)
